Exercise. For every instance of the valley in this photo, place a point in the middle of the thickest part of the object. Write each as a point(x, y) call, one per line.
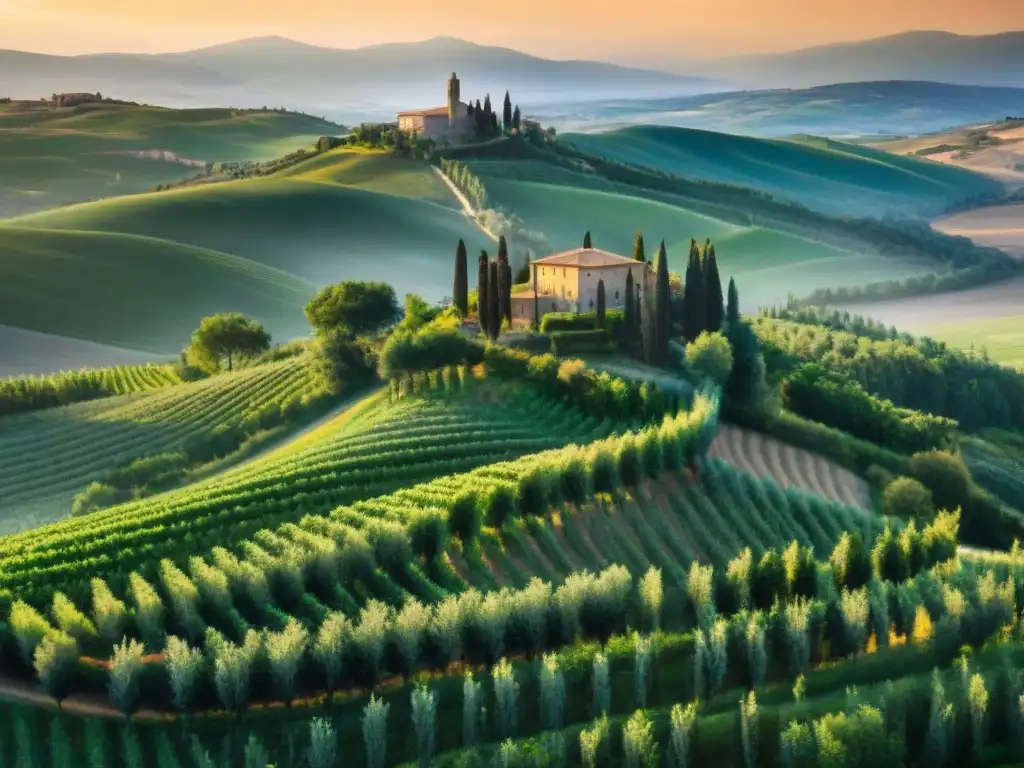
point(502, 444)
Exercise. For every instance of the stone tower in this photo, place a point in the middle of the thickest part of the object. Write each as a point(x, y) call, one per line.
point(453, 100)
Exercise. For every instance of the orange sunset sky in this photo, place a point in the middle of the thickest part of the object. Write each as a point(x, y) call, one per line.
point(556, 28)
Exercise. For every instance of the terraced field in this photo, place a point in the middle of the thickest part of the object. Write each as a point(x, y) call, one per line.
point(668, 523)
point(48, 456)
point(376, 448)
point(790, 467)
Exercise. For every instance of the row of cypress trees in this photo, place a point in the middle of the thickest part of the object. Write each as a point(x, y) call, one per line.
point(494, 287)
point(703, 302)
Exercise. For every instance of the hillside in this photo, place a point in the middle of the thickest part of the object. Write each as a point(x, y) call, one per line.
point(259, 246)
point(875, 108)
point(993, 149)
point(829, 176)
point(761, 257)
point(52, 157)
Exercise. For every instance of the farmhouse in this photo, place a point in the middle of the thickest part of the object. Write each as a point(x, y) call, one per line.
point(449, 120)
point(567, 281)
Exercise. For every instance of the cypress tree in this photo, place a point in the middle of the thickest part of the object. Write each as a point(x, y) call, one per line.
point(460, 289)
point(494, 124)
point(600, 303)
point(494, 301)
point(662, 308)
point(506, 114)
point(502, 248)
point(693, 289)
point(629, 310)
point(487, 106)
point(482, 302)
point(517, 118)
point(586, 240)
point(638, 248)
point(732, 312)
point(714, 309)
point(504, 286)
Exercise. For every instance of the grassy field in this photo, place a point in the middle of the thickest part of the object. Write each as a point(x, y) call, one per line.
point(49, 456)
point(32, 353)
point(53, 157)
point(768, 264)
point(261, 247)
point(136, 292)
point(822, 174)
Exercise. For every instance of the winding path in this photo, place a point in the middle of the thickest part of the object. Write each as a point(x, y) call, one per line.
point(467, 207)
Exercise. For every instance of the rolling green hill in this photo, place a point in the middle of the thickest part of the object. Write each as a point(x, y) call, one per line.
point(762, 259)
point(51, 157)
point(136, 292)
point(823, 174)
point(260, 246)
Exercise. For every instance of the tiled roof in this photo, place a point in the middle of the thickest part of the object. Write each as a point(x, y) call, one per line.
point(585, 257)
point(433, 112)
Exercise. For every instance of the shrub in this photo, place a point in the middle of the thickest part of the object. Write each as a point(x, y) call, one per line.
point(446, 629)
point(945, 474)
point(464, 517)
point(183, 665)
point(651, 596)
point(681, 722)
point(149, 611)
point(232, 669)
point(54, 659)
point(323, 744)
point(602, 685)
point(370, 635)
point(109, 613)
point(428, 534)
point(604, 470)
point(565, 343)
point(851, 561)
point(907, 498)
point(424, 720)
point(29, 629)
point(472, 710)
point(642, 655)
point(410, 629)
point(628, 458)
point(583, 321)
point(638, 746)
point(749, 715)
point(710, 357)
point(594, 743)
point(285, 652)
point(125, 668)
point(552, 693)
point(497, 505)
point(506, 695)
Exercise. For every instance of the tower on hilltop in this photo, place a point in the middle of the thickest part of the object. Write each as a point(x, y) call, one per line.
point(453, 100)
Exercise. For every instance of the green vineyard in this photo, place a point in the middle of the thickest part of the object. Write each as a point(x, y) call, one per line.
point(49, 456)
point(33, 393)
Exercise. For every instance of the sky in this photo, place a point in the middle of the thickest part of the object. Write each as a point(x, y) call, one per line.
point(601, 29)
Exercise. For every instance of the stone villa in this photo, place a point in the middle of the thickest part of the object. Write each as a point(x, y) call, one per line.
point(448, 121)
point(567, 282)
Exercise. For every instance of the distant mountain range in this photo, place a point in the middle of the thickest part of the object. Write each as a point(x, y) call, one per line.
point(894, 108)
point(996, 60)
point(363, 83)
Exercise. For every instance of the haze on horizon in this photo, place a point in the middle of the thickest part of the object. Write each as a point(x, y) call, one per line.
point(599, 29)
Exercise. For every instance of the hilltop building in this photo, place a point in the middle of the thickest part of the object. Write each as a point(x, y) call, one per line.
point(567, 282)
point(448, 121)
point(74, 99)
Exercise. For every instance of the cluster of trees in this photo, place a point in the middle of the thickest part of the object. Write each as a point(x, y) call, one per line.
point(345, 318)
point(465, 180)
point(916, 373)
point(489, 123)
point(494, 288)
point(703, 302)
point(832, 398)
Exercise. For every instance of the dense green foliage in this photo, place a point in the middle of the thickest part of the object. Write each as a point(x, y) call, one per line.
point(913, 373)
point(34, 393)
point(839, 401)
point(356, 307)
point(580, 321)
point(224, 339)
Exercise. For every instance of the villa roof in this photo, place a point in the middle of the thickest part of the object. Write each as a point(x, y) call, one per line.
point(585, 257)
point(432, 112)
